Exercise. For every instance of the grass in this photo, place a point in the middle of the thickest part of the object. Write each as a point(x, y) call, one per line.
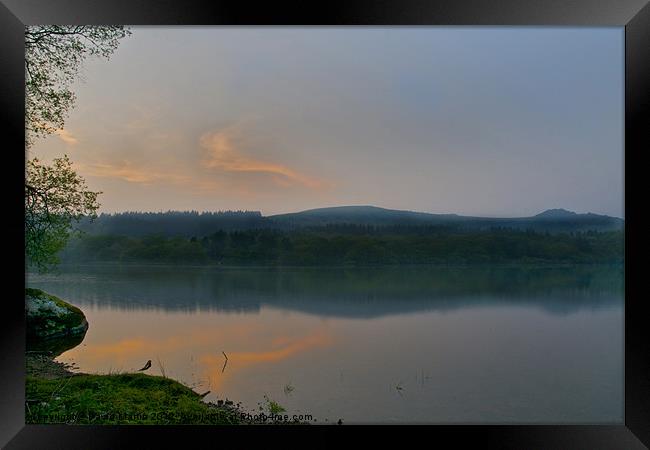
point(120, 399)
point(273, 406)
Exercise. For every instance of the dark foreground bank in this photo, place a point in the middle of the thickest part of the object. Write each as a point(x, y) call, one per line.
point(55, 395)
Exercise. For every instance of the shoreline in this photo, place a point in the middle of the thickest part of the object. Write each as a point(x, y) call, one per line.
point(54, 394)
point(523, 264)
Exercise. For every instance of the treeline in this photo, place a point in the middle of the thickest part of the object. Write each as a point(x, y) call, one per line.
point(351, 246)
point(171, 223)
point(345, 220)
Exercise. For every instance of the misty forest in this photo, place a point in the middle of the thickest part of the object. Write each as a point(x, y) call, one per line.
point(344, 236)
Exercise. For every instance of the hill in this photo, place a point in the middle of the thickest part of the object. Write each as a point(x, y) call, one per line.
point(552, 220)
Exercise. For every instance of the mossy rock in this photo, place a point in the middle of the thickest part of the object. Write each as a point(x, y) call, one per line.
point(49, 317)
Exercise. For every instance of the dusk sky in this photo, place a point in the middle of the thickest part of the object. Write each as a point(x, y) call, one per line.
point(478, 121)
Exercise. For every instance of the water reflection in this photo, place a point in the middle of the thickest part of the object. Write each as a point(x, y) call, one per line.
point(55, 346)
point(420, 344)
point(367, 292)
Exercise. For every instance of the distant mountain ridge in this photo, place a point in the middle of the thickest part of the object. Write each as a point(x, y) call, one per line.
point(557, 213)
point(199, 224)
point(362, 215)
point(553, 220)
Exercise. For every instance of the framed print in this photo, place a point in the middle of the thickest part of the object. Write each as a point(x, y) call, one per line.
point(347, 216)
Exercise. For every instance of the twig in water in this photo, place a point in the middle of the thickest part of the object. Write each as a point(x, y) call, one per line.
point(204, 394)
point(225, 362)
point(288, 389)
point(162, 367)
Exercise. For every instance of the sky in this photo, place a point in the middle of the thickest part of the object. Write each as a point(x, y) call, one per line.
point(492, 121)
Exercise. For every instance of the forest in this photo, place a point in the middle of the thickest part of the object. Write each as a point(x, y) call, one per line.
point(337, 245)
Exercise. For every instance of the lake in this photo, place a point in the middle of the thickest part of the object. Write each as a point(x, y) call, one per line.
point(366, 345)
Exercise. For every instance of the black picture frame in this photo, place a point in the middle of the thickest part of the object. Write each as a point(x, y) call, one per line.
point(633, 15)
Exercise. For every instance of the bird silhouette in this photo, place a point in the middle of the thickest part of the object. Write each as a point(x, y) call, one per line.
point(146, 366)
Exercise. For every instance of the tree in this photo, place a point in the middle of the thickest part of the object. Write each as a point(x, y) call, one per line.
point(53, 57)
point(55, 196)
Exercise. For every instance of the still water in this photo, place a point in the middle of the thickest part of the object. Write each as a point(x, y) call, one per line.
point(365, 345)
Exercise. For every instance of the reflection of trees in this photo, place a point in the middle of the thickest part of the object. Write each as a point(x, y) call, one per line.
point(339, 292)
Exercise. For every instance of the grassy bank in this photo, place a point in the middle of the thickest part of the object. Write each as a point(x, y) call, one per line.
point(55, 395)
point(120, 399)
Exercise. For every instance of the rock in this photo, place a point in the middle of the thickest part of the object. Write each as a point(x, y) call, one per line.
point(49, 317)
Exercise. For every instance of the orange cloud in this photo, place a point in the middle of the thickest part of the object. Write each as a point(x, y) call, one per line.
point(66, 136)
point(222, 154)
point(129, 172)
point(222, 162)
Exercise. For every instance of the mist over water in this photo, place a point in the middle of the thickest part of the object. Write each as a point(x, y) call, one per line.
point(511, 344)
